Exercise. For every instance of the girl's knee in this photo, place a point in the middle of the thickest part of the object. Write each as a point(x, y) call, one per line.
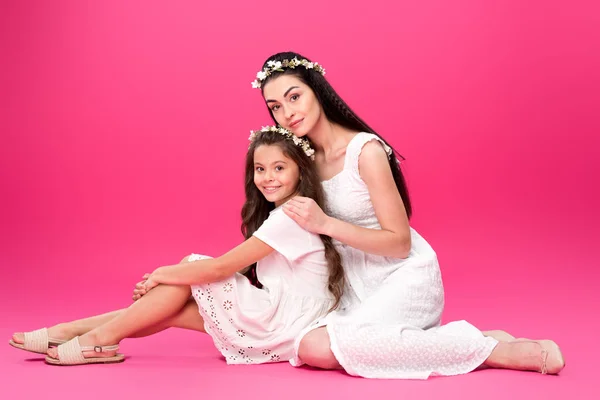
point(315, 350)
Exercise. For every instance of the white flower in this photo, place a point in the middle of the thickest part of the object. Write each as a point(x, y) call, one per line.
point(301, 142)
point(262, 75)
point(273, 66)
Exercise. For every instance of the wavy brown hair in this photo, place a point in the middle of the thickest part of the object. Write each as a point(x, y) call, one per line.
point(337, 111)
point(256, 208)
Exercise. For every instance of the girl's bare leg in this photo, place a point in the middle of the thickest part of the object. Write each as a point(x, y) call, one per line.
point(68, 330)
point(187, 318)
point(143, 317)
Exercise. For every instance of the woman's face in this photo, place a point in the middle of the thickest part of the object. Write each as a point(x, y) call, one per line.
point(293, 104)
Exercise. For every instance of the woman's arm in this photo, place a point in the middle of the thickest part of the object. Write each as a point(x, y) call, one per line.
point(393, 239)
point(213, 269)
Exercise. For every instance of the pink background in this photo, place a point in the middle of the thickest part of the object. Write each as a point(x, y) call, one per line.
point(123, 131)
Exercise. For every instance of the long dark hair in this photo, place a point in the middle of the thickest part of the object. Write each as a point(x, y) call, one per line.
point(337, 111)
point(256, 208)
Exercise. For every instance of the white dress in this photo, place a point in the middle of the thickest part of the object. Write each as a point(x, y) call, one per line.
point(388, 325)
point(250, 325)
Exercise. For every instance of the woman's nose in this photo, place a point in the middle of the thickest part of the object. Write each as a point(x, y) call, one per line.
point(289, 112)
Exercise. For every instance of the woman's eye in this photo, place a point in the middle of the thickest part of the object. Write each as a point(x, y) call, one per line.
point(294, 97)
point(275, 108)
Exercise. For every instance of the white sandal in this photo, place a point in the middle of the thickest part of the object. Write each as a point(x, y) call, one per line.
point(37, 341)
point(71, 353)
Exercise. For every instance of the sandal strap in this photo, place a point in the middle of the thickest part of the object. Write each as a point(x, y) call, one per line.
point(100, 349)
point(544, 369)
point(71, 352)
point(36, 340)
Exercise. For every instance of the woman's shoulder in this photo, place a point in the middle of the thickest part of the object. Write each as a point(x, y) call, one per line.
point(366, 146)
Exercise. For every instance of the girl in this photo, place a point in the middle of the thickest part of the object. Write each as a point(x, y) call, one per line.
point(301, 275)
point(388, 325)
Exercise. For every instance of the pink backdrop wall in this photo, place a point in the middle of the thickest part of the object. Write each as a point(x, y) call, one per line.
point(124, 126)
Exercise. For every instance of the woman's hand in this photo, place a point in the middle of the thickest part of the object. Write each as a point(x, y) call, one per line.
point(307, 213)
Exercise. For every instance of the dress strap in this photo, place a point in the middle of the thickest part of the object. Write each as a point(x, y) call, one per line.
point(355, 148)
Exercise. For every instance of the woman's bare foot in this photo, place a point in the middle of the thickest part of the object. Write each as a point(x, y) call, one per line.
point(542, 356)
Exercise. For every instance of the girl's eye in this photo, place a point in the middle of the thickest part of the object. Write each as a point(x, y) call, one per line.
point(278, 168)
point(258, 169)
point(275, 108)
point(294, 97)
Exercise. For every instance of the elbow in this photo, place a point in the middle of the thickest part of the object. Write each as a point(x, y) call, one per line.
point(402, 250)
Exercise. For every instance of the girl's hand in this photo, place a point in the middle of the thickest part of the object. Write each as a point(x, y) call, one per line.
point(140, 288)
point(150, 283)
point(307, 213)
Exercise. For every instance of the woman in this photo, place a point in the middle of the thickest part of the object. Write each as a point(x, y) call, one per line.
point(388, 325)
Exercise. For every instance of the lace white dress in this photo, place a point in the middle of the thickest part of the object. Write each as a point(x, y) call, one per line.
point(388, 325)
point(250, 325)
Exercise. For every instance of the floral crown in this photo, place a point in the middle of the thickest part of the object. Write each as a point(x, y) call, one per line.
point(300, 142)
point(273, 66)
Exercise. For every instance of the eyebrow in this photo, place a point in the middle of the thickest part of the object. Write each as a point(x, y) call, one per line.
point(285, 94)
point(274, 162)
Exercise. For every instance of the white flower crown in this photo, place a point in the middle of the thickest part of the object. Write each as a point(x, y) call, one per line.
point(301, 142)
point(273, 66)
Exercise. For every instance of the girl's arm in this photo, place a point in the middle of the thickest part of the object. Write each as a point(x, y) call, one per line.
point(392, 240)
point(213, 269)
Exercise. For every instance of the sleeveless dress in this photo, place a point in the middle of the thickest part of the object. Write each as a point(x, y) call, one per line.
point(388, 324)
point(249, 325)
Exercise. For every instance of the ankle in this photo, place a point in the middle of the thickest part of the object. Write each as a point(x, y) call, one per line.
point(98, 337)
point(525, 356)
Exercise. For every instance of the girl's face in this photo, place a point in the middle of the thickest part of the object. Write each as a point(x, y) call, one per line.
point(294, 104)
point(275, 175)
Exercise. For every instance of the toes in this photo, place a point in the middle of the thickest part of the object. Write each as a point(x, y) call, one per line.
point(18, 337)
point(53, 353)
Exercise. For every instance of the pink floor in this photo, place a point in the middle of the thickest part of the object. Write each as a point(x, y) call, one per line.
point(555, 303)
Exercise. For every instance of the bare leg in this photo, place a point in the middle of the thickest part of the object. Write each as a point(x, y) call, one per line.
point(315, 350)
point(68, 330)
point(187, 318)
point(157, 306)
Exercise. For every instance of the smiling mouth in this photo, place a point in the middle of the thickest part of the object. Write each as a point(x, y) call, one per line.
point(296, 123)
point(271, 189)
